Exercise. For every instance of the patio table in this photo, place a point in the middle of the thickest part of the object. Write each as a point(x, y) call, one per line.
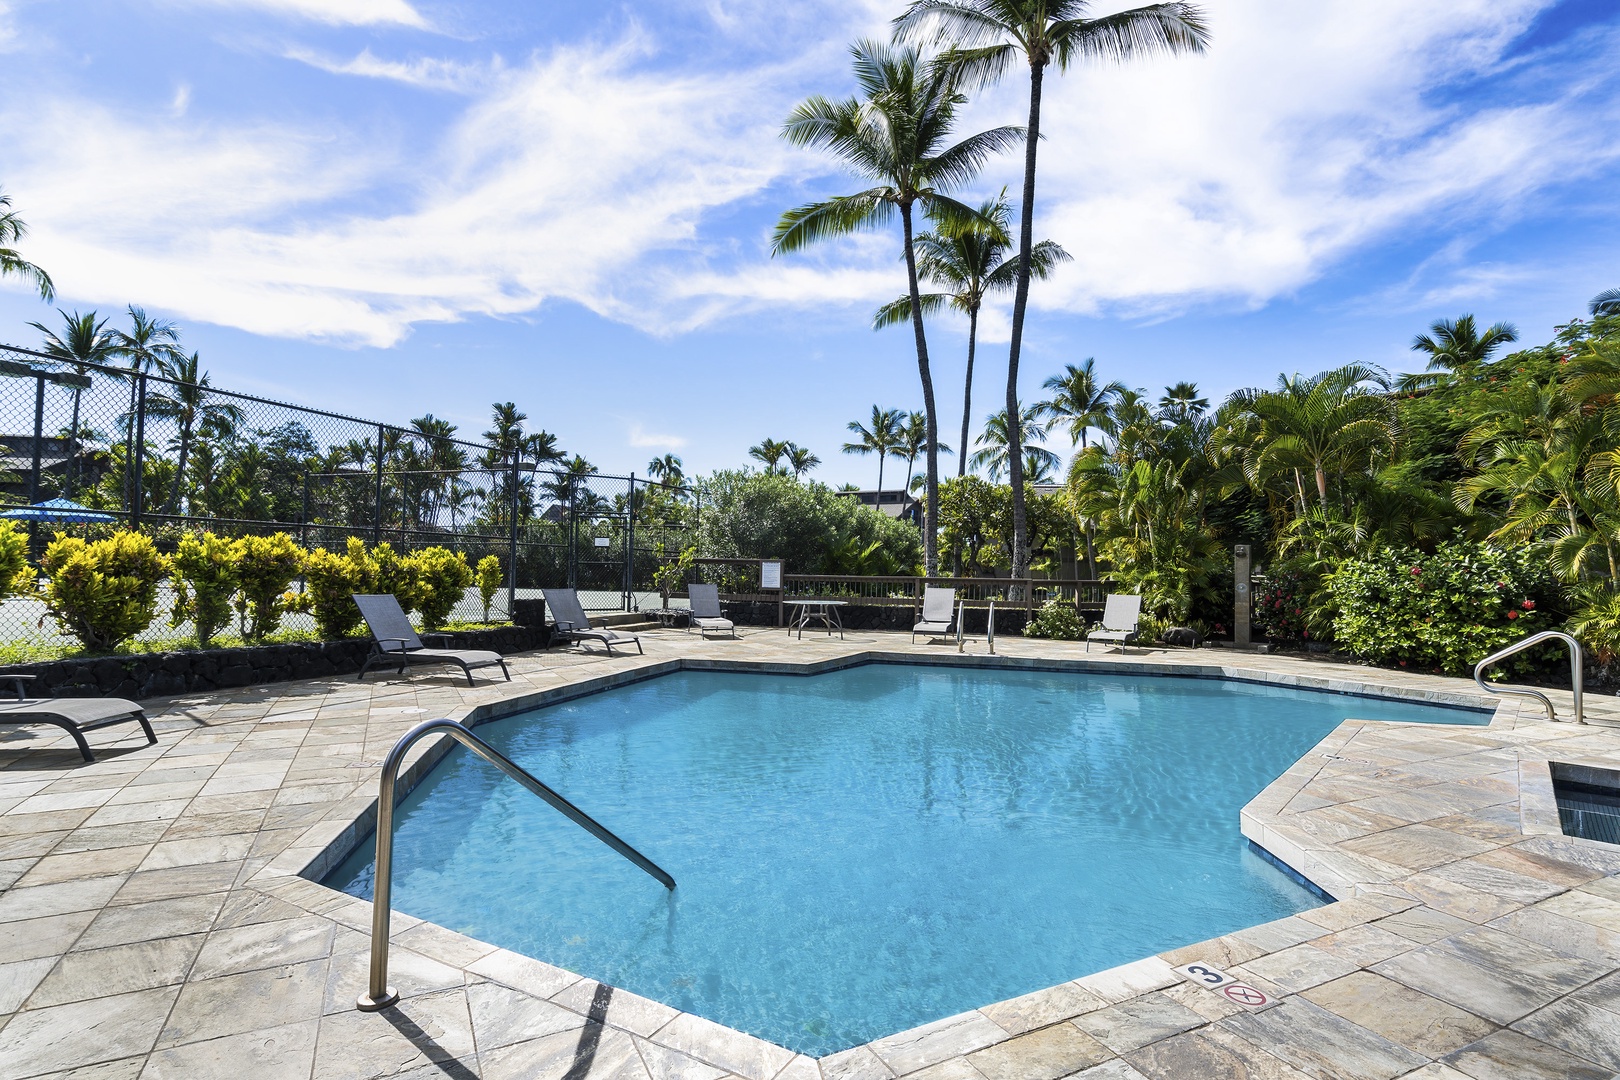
point(825, 610)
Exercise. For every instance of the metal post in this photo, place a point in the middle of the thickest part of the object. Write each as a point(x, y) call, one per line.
point(630, 549)
point(139, 454)
point(512, 552)
point(1240, 596)
point(303, 525)
point(39, 438)
point(376, 528)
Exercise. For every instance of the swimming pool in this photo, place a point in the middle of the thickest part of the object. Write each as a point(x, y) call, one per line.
point(866, 850)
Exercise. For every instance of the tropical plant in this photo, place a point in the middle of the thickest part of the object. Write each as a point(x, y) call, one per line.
point(1058, 619)
point(204, 569)
point(1604, 304)
point(996, 441)
point(489, 581)
point(914, 441)
point(103, 592)
point(989, 37)
point(1182, 404)
point(1596, 621)
point(751, 515)
point(84, 341)
point(770, 453)
point(265, 569)
point(882, 435)
point(16, 577)
point(331, 580)
point(969, 260)
point(896, 134)
point(1080, 400)
point(666, 469)
point(801, 460)
point(1456, 348)
point(12, 230)
point(442, 579)
point(189, 401)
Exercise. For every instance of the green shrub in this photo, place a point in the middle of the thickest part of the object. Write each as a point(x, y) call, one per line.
point(1443, 611)
point(1597, 621)
point(330, 582)
point(1058, 619)
point(489, 581)
point(749, 515)
point(15, 575)
point(265, 568)
point(103, 592)
point(442, 577)
point(205, 580)
point(384, 570)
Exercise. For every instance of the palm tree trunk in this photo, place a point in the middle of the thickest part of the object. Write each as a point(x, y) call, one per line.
point(881, 456)
point(967, 392)
point(1321, 485)
point(73, 445)
point(1026, 237)
point(931, 486)
point(180, 469)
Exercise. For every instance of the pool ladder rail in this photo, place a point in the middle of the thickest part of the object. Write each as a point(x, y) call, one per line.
point(1577, 660)
point(380, 995)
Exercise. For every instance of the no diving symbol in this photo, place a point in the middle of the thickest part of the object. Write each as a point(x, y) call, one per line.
point(1245, 995)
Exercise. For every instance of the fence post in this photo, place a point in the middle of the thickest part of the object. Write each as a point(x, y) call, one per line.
point(630, 548)
point(512, 544)
point(303, 525)
point(376, 527)
point(39, 437)
point(139, 455)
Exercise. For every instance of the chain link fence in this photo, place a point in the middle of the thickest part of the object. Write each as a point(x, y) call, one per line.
point(141, 449)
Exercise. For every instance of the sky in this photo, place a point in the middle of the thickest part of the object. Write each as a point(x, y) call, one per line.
point(392, 207)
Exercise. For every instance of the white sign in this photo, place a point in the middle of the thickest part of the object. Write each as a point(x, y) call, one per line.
point(1214, 979)
point(770, 575)
point(602, 541)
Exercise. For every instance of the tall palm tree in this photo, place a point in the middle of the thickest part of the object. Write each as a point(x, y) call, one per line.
point(186, 401)
point(801, 460)
point(1457, 347)
point(667, 470)
point(1080, 400)
point(881, 436)
point(995, 443)
point(85, 340)
point(913, 442)
point(770, 452)
point(991, 36)
point(145, 346)
point(1182, 403)
point(13, 229)
point(970, 261)
point(897, 135)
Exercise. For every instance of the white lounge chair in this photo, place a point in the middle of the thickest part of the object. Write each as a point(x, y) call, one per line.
point(938, 612)
point(1122, 613)
point(395, 643)
point(73, 715)
point(572, 624)
point(706, 613)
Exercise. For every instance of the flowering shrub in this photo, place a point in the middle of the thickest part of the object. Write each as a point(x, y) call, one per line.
point(1282, 607)
point(1058, 619)
point(1439, 612)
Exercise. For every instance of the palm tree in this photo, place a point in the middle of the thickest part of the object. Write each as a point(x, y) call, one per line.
point(1604, 303)
point(969, 260)
point(801, 460)
point(189, 404)
point(880, 436)
point(995, 443)
point(770, 452)
point(914, 441)
point(1457, 347)
point(85, 340)
point(667, 470)
point(145, 346)
point(991, 35)
point(13, 229)
point(1182, 403)
point(896, 135)
point(1080, 400)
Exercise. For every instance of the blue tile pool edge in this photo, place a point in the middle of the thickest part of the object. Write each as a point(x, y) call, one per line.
point(1293, 875)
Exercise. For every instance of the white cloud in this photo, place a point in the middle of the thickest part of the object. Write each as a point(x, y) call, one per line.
point(333, 12)
point(8, 30)
point(427, 72)
point(641, 438)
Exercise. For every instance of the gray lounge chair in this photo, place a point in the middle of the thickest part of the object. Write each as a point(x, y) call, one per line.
point(573, 624)
point(73, 715)
point(706, 613)
point(938, 613)
point(396, 645)
point(1122, 613)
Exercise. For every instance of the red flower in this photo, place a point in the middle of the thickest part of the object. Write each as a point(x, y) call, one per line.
point(1529, 605)
point(1417, 570)
point(1513, 614)
point(1403, 663)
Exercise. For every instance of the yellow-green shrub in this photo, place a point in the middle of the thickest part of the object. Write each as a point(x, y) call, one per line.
point(103, 592)
point(489, 581)
point(265, 567)
point(442, 577)
point(15, 576)
point(205, 580)
point(330, 582)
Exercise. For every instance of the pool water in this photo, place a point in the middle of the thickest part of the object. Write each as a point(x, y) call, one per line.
point(867, 850)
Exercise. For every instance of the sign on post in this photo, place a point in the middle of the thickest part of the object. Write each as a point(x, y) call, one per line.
point(770, 574)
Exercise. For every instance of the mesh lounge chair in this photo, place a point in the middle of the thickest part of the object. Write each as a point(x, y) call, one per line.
point(396, 644)
point(1121, 614)
point(73, 715)
point(938, 612)
point(706, 613)
point(573, 624)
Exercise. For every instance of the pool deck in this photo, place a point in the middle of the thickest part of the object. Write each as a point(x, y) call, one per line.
point(154, 923)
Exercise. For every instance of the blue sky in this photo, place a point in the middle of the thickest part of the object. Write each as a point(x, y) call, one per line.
point(391, 207)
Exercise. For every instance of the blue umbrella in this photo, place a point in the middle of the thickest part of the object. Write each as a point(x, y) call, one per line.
point(57, 510)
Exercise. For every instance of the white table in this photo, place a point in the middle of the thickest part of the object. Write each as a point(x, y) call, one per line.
point(825, 610)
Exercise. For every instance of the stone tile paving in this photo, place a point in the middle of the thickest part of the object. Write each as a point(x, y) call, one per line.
point(154, 923)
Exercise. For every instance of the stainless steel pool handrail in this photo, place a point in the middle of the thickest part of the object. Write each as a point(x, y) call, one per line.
point(380, 995)
point(1577, 660)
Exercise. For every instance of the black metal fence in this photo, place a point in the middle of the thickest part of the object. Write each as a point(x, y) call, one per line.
point(165, 455)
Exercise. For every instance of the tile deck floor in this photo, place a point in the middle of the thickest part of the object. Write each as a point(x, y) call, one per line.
point(153, 922)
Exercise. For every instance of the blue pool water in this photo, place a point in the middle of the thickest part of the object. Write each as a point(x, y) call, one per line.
point(867, 850)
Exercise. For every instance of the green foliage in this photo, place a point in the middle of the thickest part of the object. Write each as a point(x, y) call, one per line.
point(1290, 606)
point(674, 574)
point(1439, 612)
point(442, 579)
point(15, 576)
point(265, 568)
point(1058, 619)
point(103, 592)
point(489, 581)
point(331, 580)
point(205, 580)
point(756, 516)
point(1597, 622)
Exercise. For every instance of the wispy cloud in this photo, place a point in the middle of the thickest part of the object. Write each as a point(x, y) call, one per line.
point(643, 439)
point(431, 73)
point(333, 12)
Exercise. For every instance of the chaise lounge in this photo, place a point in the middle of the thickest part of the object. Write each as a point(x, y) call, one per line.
point(73, 715)
point(938, 614)
point(706, 614)
point(396, 645)
point(1122, 614)
point(572, 624)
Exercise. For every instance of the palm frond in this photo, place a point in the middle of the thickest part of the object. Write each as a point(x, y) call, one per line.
point(841, 216)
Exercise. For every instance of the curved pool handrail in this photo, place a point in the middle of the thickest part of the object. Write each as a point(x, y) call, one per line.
point(1576, 660)
point(380, 995)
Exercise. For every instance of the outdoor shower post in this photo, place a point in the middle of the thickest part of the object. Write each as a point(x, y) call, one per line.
point(1240, 596)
